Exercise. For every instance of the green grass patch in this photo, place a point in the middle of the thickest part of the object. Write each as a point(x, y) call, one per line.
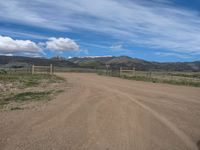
point(30, 96)
point(3, 102)
point(158, 77)
point(22, 81)
point(26, 96)
point(158, 80)
point(16, 108)
point(29, 80)
point(3, 71)
point(188, 75)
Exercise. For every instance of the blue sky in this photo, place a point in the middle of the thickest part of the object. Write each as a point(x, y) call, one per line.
point(155, 30)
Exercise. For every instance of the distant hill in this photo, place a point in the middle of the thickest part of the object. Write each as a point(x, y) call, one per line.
point(139, 64)
point(19, 61)
point(99, 62)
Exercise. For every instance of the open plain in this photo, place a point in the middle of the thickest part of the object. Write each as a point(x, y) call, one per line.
point(107, 113)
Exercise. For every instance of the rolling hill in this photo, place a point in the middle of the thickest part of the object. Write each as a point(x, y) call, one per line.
point(19, 61)
point(100, 63)
point(139, 64)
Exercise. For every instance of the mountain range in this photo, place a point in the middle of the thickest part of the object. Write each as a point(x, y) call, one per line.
point(99, 63)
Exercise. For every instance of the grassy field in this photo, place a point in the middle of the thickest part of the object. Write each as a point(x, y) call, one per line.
point(27, 79)
point(176, 78)
point(23, 87)
point(81, 70)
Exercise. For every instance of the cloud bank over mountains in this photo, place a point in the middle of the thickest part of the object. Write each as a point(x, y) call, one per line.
point(62, 44)
point(9, 46)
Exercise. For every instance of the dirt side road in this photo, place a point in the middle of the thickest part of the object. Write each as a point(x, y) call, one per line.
point(105, 113)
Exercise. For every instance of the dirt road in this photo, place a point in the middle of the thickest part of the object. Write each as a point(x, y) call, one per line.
point(105, 113)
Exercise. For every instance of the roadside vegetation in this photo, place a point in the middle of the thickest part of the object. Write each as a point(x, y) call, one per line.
point(19, 89)
point(175, 78)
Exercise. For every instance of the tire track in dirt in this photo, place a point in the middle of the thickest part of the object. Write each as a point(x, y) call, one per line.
point(52, 121)
point(170, 125)
point(105, 129)
point(94, 136)
point(56, 125)
point(166, 122)
point(186, 139)
point(48, 117)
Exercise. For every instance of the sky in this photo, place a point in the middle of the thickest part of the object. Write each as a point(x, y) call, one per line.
point(154, 30)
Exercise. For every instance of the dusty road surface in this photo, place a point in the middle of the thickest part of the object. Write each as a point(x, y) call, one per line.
point(105, 113)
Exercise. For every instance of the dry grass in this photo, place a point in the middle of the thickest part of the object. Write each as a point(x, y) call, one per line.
point(23, 87)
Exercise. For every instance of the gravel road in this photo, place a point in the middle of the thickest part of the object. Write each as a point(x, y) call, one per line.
point(106, 113)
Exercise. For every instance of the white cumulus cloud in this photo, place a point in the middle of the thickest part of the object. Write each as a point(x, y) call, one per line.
point(62, 44)
point(12, 46)
point(117, 46)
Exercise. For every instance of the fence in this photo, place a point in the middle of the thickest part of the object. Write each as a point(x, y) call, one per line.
point(132, 72)
point(42, 69)
point(120, 72)
point(32, 69)
point(183, 78)
point(68, 69)
point(16, 70)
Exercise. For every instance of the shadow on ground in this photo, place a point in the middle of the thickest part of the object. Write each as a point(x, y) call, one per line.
point(198, 145)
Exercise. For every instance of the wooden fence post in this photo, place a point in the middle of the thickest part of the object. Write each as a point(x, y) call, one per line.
point(51, 69)
point(120, 72)
point(133, 71)
point(33, 69)
point(150, 74)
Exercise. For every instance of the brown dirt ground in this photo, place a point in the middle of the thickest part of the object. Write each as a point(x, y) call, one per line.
point(105, 113)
